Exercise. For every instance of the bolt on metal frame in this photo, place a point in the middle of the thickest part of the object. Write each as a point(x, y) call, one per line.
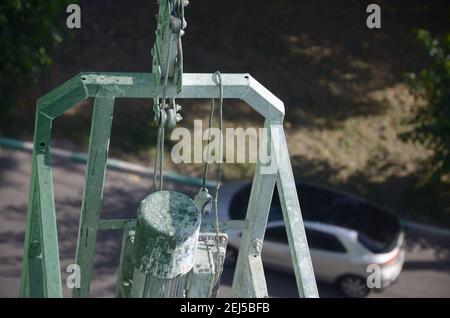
point(41, 266)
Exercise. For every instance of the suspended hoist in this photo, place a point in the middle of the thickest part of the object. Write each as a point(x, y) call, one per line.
point(175, 247)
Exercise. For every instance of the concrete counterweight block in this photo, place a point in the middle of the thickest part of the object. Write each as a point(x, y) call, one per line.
point(165, 245)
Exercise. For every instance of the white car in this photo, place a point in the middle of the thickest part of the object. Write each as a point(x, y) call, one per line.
point(345, 235)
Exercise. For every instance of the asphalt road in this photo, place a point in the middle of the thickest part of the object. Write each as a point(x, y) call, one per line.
point(426, 272)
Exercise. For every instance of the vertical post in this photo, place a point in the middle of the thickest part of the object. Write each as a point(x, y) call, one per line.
point(41, 275)
point(50, 253)
point(93, 189)
point(292, 216)
point(249, 280)
point(31, 281)
point(125, 271)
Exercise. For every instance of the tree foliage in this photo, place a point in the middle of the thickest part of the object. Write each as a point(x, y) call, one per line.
point(432, 122)
point(29, 31)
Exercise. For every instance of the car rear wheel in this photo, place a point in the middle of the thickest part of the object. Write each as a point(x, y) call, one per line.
point(353, 286)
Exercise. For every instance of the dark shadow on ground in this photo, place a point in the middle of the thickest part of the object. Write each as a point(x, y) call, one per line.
point(402, 195)
point(7, 163)
point(319, 57)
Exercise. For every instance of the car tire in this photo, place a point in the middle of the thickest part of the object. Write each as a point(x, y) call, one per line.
point(230, 257)
point(353, 286)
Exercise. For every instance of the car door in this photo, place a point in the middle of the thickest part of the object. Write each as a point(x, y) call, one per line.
point(328, 254)
point(275, 252)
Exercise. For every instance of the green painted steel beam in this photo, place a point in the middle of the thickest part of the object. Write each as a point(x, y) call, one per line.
point(93, 189)
point(62, 98)
point(115, 224)
point(49, 237)
point(208, 225)
point(41, 275)
point(247, 281)
point(143, 85)
point(32, 273)
point(298, 245)
point(126, 264)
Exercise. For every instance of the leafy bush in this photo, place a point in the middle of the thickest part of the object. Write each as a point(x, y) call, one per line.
point(432, 122)
point(29, 30)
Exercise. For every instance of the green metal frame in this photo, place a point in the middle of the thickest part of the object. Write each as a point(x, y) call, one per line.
point(41, 267)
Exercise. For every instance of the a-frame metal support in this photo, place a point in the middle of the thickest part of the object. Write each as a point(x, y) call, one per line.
point(41, 269)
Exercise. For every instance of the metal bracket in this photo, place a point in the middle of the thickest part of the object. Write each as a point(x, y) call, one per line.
point(167, 63)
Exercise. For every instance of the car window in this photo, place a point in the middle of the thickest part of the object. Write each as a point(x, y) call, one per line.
point(375, 227)
point(377, 230)
point(314, 203)
point(316, 239)
point(276, 234)
point(323, 241)
point(348, 213)
point(239, 203)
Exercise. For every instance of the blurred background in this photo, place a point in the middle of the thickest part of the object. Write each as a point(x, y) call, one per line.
point(367, 110)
